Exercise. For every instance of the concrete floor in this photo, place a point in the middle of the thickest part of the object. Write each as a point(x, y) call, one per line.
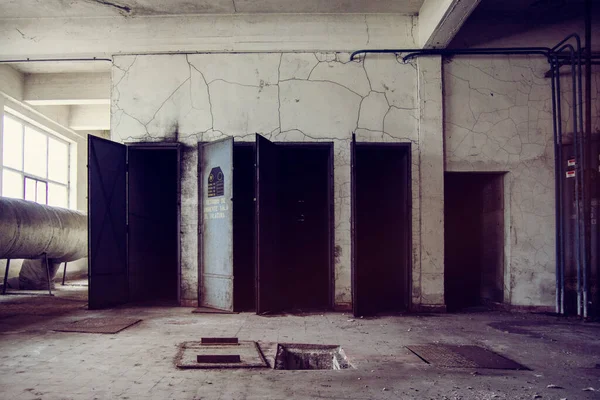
point(137, 363)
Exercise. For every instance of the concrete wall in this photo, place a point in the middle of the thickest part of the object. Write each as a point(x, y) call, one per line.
point(498, 117)
point(293, 97)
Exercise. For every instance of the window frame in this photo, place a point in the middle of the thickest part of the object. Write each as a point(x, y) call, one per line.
point(25, 175)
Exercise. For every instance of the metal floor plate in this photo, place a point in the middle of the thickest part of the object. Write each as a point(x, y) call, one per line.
point(454, 356)
point(248, 351)
point(97, 325)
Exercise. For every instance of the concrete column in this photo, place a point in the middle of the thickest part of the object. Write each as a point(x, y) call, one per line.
point(432, 181)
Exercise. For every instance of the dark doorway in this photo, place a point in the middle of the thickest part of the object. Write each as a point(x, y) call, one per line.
point(304, 226)
point(282, 235)
point(474, 239)
point(293, 226)
point(382, 227)
point(153, 223)
point(243, 227)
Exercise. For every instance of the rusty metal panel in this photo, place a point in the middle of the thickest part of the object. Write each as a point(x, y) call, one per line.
point(463, 356)
point(216, 193)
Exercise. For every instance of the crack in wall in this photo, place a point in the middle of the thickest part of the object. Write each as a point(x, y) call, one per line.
point(34, 38)
point(121, 8)
point(123, 107)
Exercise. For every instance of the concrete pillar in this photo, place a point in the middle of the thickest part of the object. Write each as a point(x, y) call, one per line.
point(432, 182)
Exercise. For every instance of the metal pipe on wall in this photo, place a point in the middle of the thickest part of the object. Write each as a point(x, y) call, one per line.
point(558, 207)
point(587, 203)
point(557, 111)
point(412, 53)
point(579, 183)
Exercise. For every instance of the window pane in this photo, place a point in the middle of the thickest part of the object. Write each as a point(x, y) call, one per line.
point(58, 161)
point(35, 152)
point(41, 193)
point(57, 195)
point(12, 184)
point(29, 189)
point(12, 145)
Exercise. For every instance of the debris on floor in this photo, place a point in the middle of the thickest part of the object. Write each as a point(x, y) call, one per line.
point(551, 386)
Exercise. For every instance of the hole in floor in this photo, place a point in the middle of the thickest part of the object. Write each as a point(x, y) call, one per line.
point(310, 356)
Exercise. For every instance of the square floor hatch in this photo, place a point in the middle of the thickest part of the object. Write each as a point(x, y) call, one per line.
point(454, 356)
point(310, 356)
point(199, 355)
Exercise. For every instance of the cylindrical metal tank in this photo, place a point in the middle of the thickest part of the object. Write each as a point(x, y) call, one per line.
point(28, 230)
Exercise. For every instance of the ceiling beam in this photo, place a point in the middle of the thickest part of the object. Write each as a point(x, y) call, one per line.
point(103, 37)
point(66, 89)
point(440, 21)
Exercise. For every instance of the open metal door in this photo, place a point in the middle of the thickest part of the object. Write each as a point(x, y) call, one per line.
point(107, 223)
point(216, 231)
point(353, 244)
point(268, 285)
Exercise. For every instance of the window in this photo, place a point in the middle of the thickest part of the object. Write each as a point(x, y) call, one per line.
point(35, 164)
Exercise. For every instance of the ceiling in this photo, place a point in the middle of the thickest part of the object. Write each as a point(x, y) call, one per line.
point(61, 67)
point(494, 20)
point(529, 7)
point(108, 8)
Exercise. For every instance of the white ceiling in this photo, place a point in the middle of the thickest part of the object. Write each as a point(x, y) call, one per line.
point(61, 67)
point(108, 8)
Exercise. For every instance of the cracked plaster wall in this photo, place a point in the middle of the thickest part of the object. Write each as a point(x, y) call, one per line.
point(566, 89)
point(498, 117)
point(287, 97)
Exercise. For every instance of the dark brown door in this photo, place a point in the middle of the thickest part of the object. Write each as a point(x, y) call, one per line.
point(268, 282)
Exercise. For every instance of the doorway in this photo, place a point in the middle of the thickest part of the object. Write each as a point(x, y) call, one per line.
point(266, 235)
point(381, 223)
point(153, 197)
point(304, 226)
point(133, 222)
point(474, 239)
point(294, 230)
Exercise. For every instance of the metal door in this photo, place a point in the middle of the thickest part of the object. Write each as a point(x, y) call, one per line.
point(216, 239)
point(353, 244)
point(268, 284)
point(107, 223)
